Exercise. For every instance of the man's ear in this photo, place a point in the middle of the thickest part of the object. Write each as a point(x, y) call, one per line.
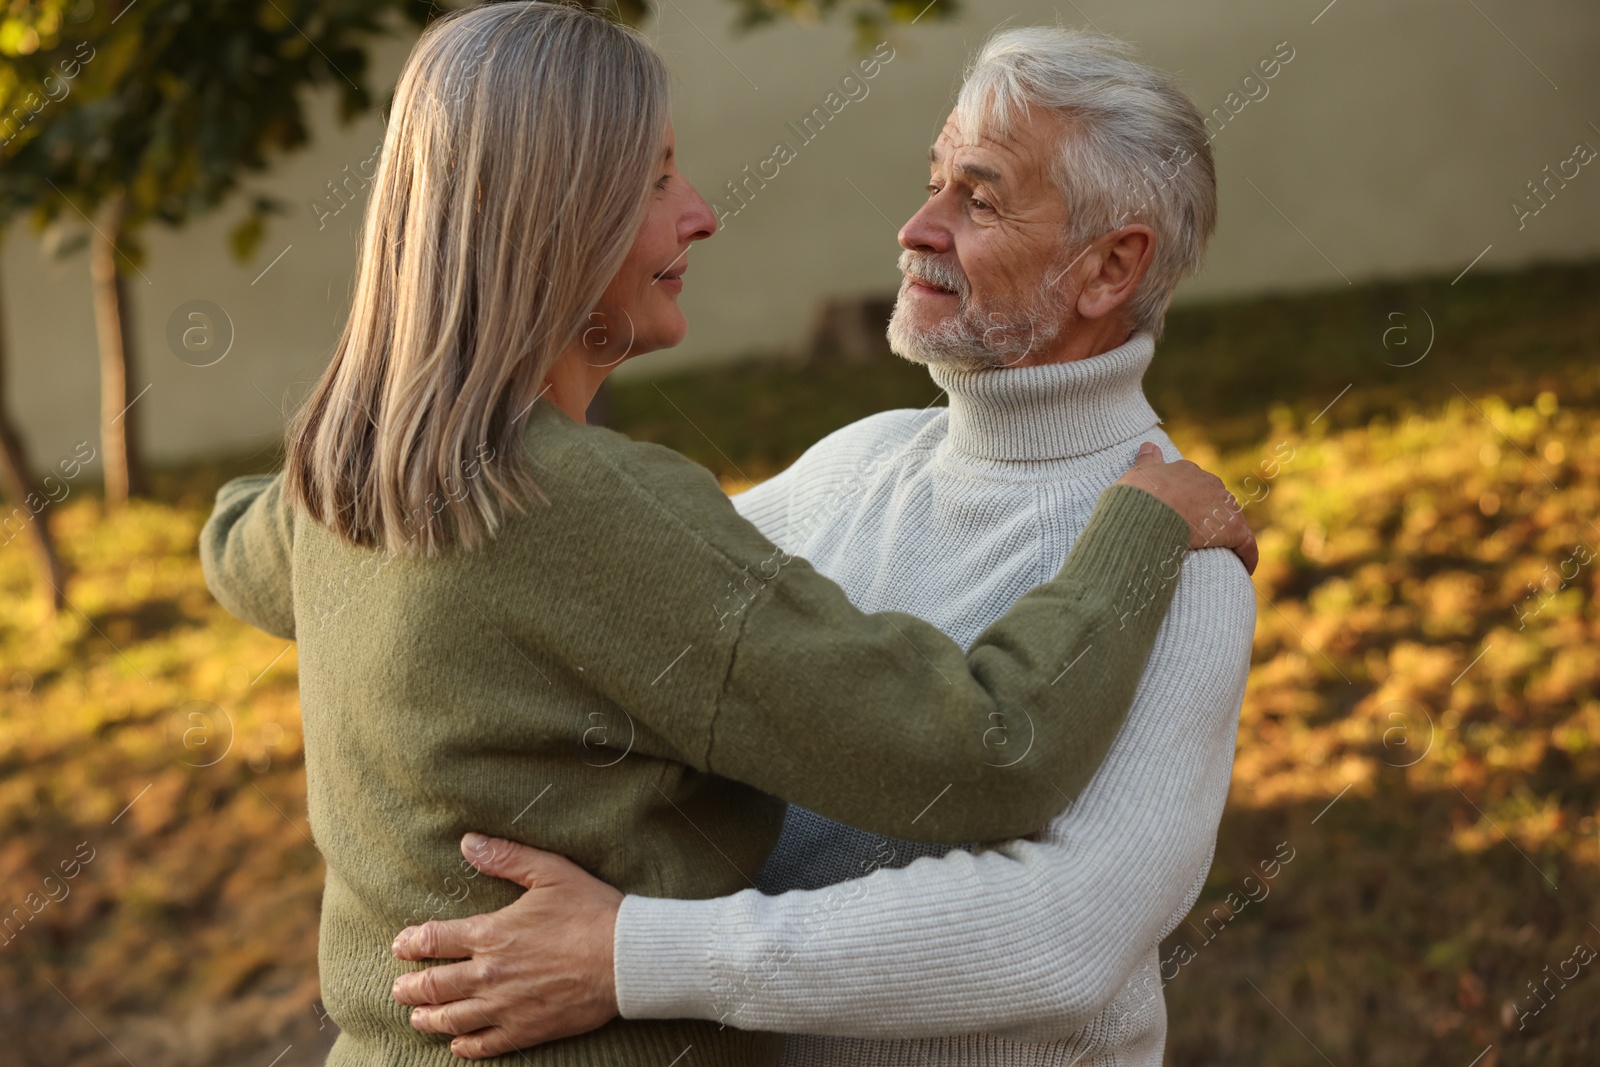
point(1122, 260)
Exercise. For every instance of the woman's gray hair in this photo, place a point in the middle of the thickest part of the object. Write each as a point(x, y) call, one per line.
point(516, 171)
point(1136, 150)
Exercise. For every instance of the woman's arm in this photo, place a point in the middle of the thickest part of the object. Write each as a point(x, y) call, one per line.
point(787, 686)
point(1031, 940)
point(883, 722)
point(247, 553)
point(759, 669)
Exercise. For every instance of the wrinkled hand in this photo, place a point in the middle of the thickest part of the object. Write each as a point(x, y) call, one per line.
point(534, 971)
point(1213, 514)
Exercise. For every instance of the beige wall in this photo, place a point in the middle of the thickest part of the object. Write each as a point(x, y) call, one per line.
point(1393, 141)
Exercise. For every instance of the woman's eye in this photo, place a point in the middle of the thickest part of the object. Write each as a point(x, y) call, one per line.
point(661, 182)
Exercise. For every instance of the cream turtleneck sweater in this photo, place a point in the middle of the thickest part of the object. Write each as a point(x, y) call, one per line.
point(1030, 952)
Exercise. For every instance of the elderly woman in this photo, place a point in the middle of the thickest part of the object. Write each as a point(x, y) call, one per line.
point(514, 623)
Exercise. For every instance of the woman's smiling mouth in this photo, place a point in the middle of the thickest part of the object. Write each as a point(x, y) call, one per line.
point(671, 279)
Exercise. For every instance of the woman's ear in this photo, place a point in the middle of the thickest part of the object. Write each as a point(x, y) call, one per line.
point(1122, 261)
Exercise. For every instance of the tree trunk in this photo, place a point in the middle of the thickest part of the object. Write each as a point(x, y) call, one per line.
point(119, 439)
point(16, 478)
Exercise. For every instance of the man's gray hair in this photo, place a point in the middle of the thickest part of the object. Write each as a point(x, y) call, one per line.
point(1136, 151)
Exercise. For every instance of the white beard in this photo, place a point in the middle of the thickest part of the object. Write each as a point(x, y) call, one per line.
point(977, 336)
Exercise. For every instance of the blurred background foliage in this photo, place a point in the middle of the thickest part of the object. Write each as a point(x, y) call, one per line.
point(155, 112)
point(1420, 730)
point(172, 103)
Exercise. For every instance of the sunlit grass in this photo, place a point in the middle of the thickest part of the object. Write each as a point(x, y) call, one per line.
point(1427, 661)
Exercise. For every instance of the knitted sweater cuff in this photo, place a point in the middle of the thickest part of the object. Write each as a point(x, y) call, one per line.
point(662, 957)
point(1127, 522)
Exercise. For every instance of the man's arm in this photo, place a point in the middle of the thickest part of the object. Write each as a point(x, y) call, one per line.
point(1030, 940)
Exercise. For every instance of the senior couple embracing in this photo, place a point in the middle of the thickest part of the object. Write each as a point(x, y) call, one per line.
point(911, 754)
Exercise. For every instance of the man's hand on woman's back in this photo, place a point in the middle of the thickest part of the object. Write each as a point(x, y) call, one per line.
point(538, 969)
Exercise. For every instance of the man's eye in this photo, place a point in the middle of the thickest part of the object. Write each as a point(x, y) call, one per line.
point(979, 205)
point(933, 190)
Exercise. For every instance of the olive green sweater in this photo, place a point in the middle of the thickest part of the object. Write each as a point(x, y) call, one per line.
point(632, 675)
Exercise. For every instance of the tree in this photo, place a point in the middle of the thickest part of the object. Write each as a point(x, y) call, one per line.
point(153, 111)
point(29, 515)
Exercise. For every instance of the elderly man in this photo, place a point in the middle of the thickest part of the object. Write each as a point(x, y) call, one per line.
point(1069, 192)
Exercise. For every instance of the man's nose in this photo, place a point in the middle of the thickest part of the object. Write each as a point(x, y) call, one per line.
point(925, 232)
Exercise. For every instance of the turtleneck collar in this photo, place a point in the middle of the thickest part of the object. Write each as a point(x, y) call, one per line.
point(1054, 411)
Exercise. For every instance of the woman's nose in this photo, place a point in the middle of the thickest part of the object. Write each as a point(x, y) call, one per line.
point(699, 221)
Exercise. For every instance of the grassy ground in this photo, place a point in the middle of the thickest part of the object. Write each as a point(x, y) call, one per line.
point(1420, 733)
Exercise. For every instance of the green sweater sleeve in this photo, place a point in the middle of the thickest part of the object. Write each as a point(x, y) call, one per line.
point(882, 722)
point(759, 669)
point(247, 553)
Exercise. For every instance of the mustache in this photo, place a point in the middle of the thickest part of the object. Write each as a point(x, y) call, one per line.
point(936, 270)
